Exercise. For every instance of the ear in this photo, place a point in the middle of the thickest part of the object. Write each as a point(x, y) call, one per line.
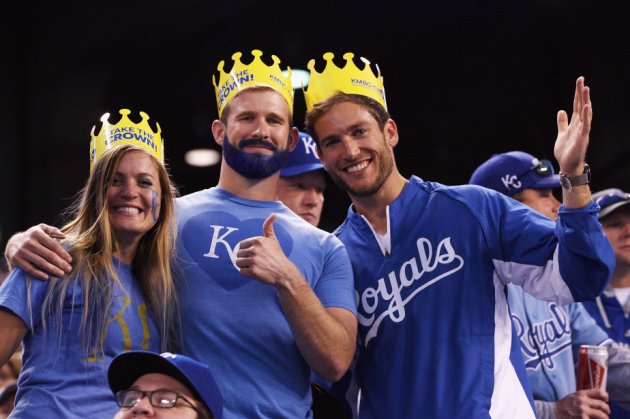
point(391, 133)
point(294, 136)
point(218, 131)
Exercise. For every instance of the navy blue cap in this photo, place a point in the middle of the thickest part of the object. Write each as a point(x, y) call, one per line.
point(303, 159)
point(610, 199)
point(127, 367)
point(514, 171)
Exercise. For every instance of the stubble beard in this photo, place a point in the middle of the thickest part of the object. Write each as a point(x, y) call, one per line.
point(385, 166)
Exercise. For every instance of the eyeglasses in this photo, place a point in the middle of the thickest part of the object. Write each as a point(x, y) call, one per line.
point(611, 198)
point(159, 398)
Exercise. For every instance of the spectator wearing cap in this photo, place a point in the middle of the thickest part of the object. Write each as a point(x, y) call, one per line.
point(550, 334)
point(302, 181)
point(523, 177)
point(147, 384)
point(612, 308)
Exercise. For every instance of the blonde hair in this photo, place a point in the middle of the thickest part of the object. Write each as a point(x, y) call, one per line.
point(91, 242)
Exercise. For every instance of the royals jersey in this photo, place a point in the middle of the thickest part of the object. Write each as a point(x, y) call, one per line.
point(549, 335)
point(436, 336)
point(235, 324)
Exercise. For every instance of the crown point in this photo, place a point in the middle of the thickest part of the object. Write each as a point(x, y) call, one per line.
point(124, 112)
point(105, 117)
point(221, 65)
point(144, 116)
point(348, 56)
point(257, 53)
point(329, 56)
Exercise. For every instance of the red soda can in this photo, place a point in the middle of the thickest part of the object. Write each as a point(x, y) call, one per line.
point(592, 367)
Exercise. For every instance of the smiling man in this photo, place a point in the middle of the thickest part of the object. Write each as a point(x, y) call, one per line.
point(431, 261)
point(550, 334)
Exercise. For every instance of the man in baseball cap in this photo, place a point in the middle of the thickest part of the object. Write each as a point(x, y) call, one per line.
point(549, 364)
point(611, 309)
point(302, 181)
point(523, 177)
point(166, 385)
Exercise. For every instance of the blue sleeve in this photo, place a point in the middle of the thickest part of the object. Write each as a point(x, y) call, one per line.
point(584, 329)
point(586, 258)
point(15, 297)
point(565, 261)
point(335, 287)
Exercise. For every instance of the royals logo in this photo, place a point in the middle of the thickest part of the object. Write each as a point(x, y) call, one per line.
point(542, 341)
point(400, 286)
point(214, 245)
point(510, 182)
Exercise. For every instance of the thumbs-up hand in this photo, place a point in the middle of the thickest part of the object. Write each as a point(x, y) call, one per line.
point(262, 257)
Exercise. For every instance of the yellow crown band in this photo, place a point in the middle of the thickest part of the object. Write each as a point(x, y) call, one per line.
point(349, 79)
point(256, 73)
point(126, 132)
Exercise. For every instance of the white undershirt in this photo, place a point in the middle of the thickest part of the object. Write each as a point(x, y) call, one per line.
point(384, 242)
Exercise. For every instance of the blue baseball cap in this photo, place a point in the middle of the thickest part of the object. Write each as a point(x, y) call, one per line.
point(610, 199)
point(127, 367)
point(514, 171)
point(303, 158)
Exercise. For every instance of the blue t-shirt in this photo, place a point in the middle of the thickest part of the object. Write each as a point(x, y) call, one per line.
point(59, 379)
point(235, 324)
point(550, 335)
point(435, 333)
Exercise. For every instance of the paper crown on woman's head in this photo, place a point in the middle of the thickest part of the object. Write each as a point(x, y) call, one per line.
point(126, 132)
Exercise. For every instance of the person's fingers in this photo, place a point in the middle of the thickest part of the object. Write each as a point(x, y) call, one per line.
point(30, 269)
point(563, 122)
point(268, 227)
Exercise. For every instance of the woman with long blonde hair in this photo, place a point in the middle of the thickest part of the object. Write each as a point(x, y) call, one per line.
point(120, 294)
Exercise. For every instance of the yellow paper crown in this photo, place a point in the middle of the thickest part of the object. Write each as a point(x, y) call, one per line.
point(126, 132)
point(349, 79)
point(256, 73)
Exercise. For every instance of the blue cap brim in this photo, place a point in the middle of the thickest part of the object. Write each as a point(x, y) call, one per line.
point(300, 169)
point(547, 182)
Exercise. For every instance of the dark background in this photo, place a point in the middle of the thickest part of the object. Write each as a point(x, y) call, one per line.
point(464, 80)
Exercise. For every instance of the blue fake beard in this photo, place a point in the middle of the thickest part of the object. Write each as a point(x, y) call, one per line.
point(254, 165)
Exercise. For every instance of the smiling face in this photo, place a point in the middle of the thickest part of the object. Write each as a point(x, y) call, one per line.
point(356, 153)
point(153, 382)
point(255, 133)
point(133, 197)
point(304, 194)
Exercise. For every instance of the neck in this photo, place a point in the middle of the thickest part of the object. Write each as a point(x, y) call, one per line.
point(126, 251)
point(373, 206)
point(256, 189)
point(621, 277)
